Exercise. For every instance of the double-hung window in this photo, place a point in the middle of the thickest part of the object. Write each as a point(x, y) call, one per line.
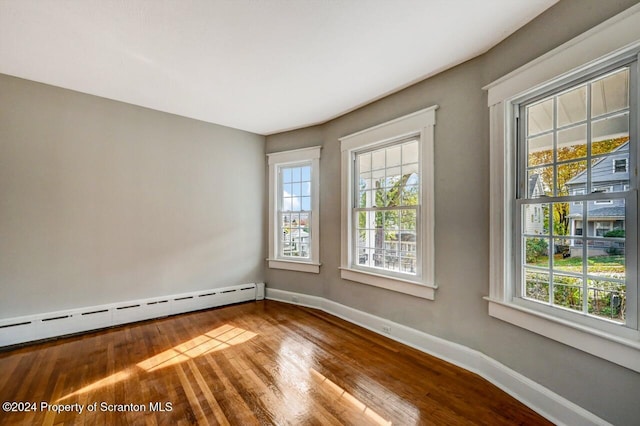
point(567, 139)
point(387, 205)
point(564, 142)
point(294, 240)
point(387, 208)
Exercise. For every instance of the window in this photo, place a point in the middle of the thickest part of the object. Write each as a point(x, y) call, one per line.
point(620, 165)
point(387, 187)
point(603, 189)
point(564, 135)
point(602, 228)
point(558, 149)
point(387, 205)
point(294, 238)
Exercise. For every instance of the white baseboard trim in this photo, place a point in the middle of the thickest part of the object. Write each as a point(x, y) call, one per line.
point(545, 402)
point(55, 324)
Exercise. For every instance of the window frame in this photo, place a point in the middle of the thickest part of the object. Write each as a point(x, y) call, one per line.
point(277, 161)
point(617, 39)
point(421, 125)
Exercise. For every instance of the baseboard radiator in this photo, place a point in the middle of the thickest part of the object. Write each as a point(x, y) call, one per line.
point(54, 324)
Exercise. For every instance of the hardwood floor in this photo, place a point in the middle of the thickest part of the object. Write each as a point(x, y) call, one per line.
point(254, 363)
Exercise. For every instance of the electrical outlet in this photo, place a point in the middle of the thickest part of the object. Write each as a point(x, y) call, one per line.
point(295, 299)
point(386, 329)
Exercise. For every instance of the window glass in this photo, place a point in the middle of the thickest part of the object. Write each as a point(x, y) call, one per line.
point(295, 211)
point(572, 249)
point(386, 213)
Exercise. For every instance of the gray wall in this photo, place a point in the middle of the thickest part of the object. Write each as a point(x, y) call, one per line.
point(459, 313)
point(102, 201)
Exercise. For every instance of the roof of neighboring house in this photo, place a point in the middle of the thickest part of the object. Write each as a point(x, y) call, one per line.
point(535, 184)
point(607, 212)
point(602, 170)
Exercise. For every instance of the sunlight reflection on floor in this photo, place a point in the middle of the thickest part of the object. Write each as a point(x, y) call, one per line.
point(214, 340)
point(359, 405)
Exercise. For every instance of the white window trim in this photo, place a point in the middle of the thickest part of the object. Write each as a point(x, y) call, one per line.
point(276, 160)
point(421, 124)
point(612, 38)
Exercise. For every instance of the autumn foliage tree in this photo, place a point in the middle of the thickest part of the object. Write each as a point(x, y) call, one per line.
point(576, 163)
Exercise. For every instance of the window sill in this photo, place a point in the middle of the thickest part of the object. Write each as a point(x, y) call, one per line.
point(413, 288)
point(619, 350)
point(292, 265)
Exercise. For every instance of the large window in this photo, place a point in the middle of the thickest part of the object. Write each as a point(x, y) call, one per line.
point(294, 211)
point(387, 208)
point(568, 140)
point(387, 178)
point(563, 206)
point(294, 238)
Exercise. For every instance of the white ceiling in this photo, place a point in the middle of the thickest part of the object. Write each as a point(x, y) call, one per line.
point(257, 65)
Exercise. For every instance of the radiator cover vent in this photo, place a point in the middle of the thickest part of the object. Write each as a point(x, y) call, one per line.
point(54, 324)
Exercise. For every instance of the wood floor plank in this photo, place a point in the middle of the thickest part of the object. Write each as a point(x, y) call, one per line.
point(255, 363)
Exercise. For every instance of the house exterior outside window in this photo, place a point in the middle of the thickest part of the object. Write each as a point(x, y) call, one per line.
point(564, 138)
point(294, 237)
point(387, 205)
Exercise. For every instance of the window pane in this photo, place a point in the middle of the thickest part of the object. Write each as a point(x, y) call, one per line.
point(306, 174)
point(410, 152)
point(540, 182)
point(408, 220)
point(537, 252)
point(411, 170)
point(560, 217)
point(377, 179)
point(306, 203)
point(408, 263)
point(295, 174)
point(606, 258)
point(365, 180)
point(610, 93)
point(570, 176)
point(567, 255)
point(393, 177)
point(535, 219)
point(607, 299)
point(572, 143)
point(377, 160)
point(572, 106)
point(286, 175)
point(606, 218)
point(536, 285)
point(567, 292)
point(609, 134)
point(610, 173)
point(306, 189)
point(540, 150)
point(410, 195)
point(393, 156)
point(540, 117)
point(364, 162)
